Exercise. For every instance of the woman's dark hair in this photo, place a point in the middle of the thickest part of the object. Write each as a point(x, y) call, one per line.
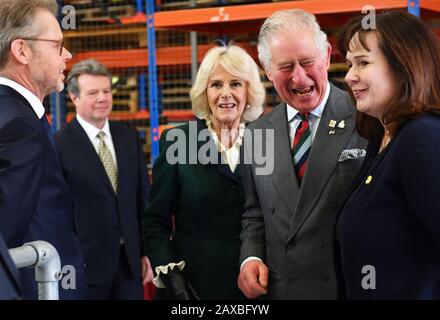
point(413, 54)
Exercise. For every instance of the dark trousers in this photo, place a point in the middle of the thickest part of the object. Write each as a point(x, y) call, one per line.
point(123, 286)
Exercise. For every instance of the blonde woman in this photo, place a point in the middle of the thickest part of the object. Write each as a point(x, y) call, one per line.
point(196, 182)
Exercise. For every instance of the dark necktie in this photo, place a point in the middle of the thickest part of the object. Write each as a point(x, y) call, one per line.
point(46, 126)
point(301, 146)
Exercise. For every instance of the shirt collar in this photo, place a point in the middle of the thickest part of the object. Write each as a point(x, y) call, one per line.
point(35, 103)
point(91, 130)
point(317, 112)
point(237, 143)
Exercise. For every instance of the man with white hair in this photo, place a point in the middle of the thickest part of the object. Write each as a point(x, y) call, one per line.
point(288, 222)
point(35, 203)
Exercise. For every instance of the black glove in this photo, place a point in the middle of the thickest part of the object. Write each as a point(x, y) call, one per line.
point(178, 286)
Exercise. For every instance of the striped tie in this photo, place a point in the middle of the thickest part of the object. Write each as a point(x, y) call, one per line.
point(301, 146)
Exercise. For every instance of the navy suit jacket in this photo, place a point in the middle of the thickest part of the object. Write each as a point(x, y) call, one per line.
point(389, 229)
point(9, 282)
point(102, 216)
point(35, 203)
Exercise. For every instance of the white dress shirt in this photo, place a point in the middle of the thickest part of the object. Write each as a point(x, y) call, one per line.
point(36, 104)
point(314, 117)
point(229, 155)
point(92, 133)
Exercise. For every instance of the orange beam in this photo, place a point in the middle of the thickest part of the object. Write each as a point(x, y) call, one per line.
point(175, 115)
point(433, 5)
point(224, 19)
point(139, 57)
point(114, 58)
point(165, 56)
point(145, 114)
point(185, 18)
point(247, 18)
point(172, 115)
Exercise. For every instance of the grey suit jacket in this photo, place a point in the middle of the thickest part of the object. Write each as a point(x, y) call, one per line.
point(292, 228)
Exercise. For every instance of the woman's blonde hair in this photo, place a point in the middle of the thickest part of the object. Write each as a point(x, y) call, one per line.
point(237, 62)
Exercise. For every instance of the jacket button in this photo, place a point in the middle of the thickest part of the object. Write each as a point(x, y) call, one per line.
point(334, 206)
point(272, 210)
point(324, 279)
point(321, 243)
point(235, 187)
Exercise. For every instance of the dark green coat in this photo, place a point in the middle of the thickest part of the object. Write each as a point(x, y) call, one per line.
point(206, 202)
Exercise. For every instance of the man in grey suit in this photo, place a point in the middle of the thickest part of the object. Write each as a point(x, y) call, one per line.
point(289, 217)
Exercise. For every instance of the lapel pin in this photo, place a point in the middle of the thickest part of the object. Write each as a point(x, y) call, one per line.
point(369, 178)
point(341, 124)
point(332, 123)
point(331, 132)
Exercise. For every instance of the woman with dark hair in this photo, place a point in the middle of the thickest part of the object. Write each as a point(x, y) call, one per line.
point(389, 229)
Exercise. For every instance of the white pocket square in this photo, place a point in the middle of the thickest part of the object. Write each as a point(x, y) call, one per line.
point(350, 154)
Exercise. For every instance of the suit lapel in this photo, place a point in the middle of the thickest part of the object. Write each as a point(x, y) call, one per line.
point(225, 170)
point(221, 167)
point(284, 177)
point(86, 149)
point(323, 157)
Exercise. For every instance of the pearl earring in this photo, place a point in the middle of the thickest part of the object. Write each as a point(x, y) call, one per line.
point(248, 106)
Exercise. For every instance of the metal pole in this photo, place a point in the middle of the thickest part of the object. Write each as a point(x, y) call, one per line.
point(138, 5)
point(24, 256)
point(142, 101)
point(56, 111)
point(194, 51)
point(45, 259)
point(142, 94)
point(414, 7)
point(152, 82)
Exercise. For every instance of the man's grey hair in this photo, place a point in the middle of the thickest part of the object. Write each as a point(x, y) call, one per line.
point(17, 19)
point(295, 21)
point(89, 66)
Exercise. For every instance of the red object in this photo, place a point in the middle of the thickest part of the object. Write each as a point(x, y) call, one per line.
point(149, 291)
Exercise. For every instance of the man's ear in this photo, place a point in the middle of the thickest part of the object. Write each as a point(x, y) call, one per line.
point(268, 73)
point(20, 51)
point(73, 98)
point(329, 54)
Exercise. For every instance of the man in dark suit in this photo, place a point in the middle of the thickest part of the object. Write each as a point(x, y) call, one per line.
point(104, 166)
point(9, 282)
point(288, 223)
point(35, 201)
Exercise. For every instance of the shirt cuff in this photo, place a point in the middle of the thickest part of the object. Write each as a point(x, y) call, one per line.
point(164, 269)
point(248, 259)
